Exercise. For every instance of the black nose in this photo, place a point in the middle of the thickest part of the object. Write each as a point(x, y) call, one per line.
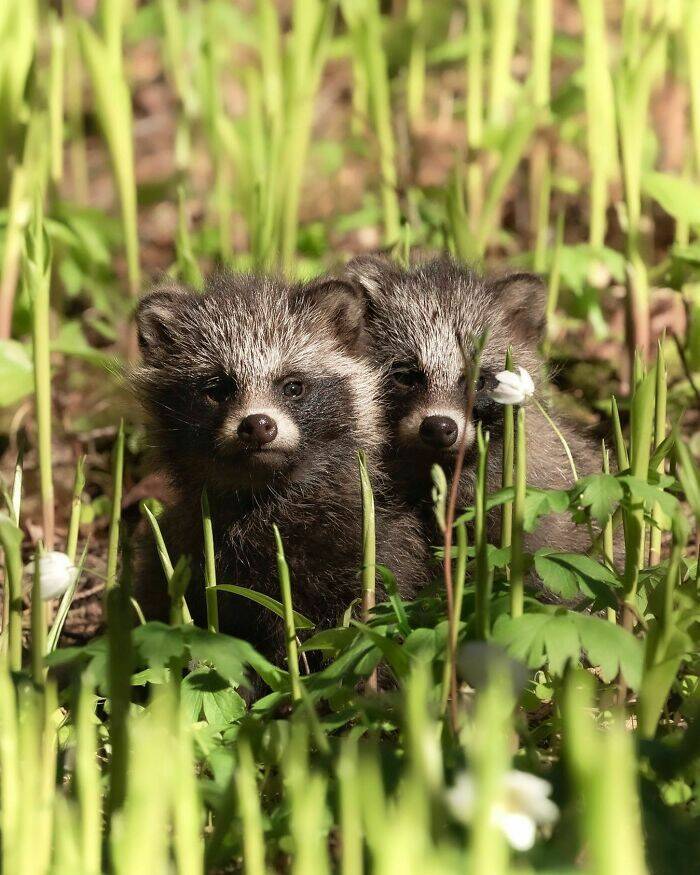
point(257, 429)
point(438, 431)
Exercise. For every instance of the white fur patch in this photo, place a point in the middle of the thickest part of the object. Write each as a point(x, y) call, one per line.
point(287, 437)
point(409, 426)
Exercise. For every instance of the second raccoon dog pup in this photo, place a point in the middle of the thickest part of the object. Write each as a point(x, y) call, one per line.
point(257, 390)
point(415, 318)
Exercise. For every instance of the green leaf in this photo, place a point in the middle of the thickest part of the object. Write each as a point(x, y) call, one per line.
point(689, 475)
point(16, 373)
point(560, 637)
point(333, 640)
point(569, 574)
point(206, 691)
point(600, 493)
point(389, 583)
point(397, 660)
point(539, 502)
point(611, 648)
point(649, 493)
point(678, 196)
point(300, 621)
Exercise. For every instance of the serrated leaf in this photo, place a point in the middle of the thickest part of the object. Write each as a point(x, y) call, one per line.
point(649, 493)
point(206, 691)
point(601, 493)
point(539, 502)
point(611, 648)
point(570, 574)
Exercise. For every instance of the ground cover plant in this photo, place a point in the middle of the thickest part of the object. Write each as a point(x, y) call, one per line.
point(515, 733)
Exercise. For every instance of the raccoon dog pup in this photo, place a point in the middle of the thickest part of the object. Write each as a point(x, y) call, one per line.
point(415, 318)
point(258, 391)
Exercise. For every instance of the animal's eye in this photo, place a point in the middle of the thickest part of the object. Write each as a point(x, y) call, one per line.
point(480, 383)
point(406, 377)
point(220, 390)
point(293, 389)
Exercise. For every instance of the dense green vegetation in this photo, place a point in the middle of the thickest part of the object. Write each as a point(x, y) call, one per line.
point(289, 136)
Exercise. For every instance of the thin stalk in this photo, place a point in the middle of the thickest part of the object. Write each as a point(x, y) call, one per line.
point(483, 576)
point(351, 860)
point(380, 110)
point(471, 368)
point(504, 20)
point(116, 511)
point(251, 816)
point(561, 437)
point(311, 22)
point(517, 563)
point(449, 669)
point(641, 424)
point(209, 566)
point(87, 777)
point(290, 630)
point(369, 551)
point(553, 283)
point(56, 78)
point(600, 116)
point(76, 506)
point(38, 630)
point(475, 112)
point(119, 669)
point(18, 211)
point(415, 85)
point(17, 481)
point(608, 542)
point(659, 435)
point(11, 540)
point(623, 461)
point(507, 462)
point(37, 275)
point(74, 104)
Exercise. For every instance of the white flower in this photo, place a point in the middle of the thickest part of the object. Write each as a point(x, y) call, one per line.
point(524, 804)
point(56, 574)
point(513, 388)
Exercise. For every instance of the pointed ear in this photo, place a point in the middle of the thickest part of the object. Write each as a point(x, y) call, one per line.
point(158, 317)
point(340, 304)
point(522, 298)
point(372, 274)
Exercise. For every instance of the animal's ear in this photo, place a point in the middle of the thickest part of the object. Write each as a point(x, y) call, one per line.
point(158, 318)
point(372, 274)
point(522, 298)
point(341, 306)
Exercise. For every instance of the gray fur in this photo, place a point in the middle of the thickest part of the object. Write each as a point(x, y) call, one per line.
point(418, 316)
point(253, 332)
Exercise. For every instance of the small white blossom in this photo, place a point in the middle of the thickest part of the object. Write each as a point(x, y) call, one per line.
point(524, 804)
point(56, 574)
point(513, 388)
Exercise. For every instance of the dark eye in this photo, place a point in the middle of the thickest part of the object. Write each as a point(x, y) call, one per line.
point(294, 389)
point(480, 383)
point(407, 377)
point(219, 391)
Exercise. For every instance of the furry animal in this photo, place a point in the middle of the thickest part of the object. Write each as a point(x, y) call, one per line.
point(257, 390)
point(415, 319)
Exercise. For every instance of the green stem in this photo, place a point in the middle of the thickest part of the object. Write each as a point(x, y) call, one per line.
point(76, 506)
point(483, 576)
point(290, 630)
point(561, 437)
point(116, 512)
point(209, 566)
point(517, 558)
